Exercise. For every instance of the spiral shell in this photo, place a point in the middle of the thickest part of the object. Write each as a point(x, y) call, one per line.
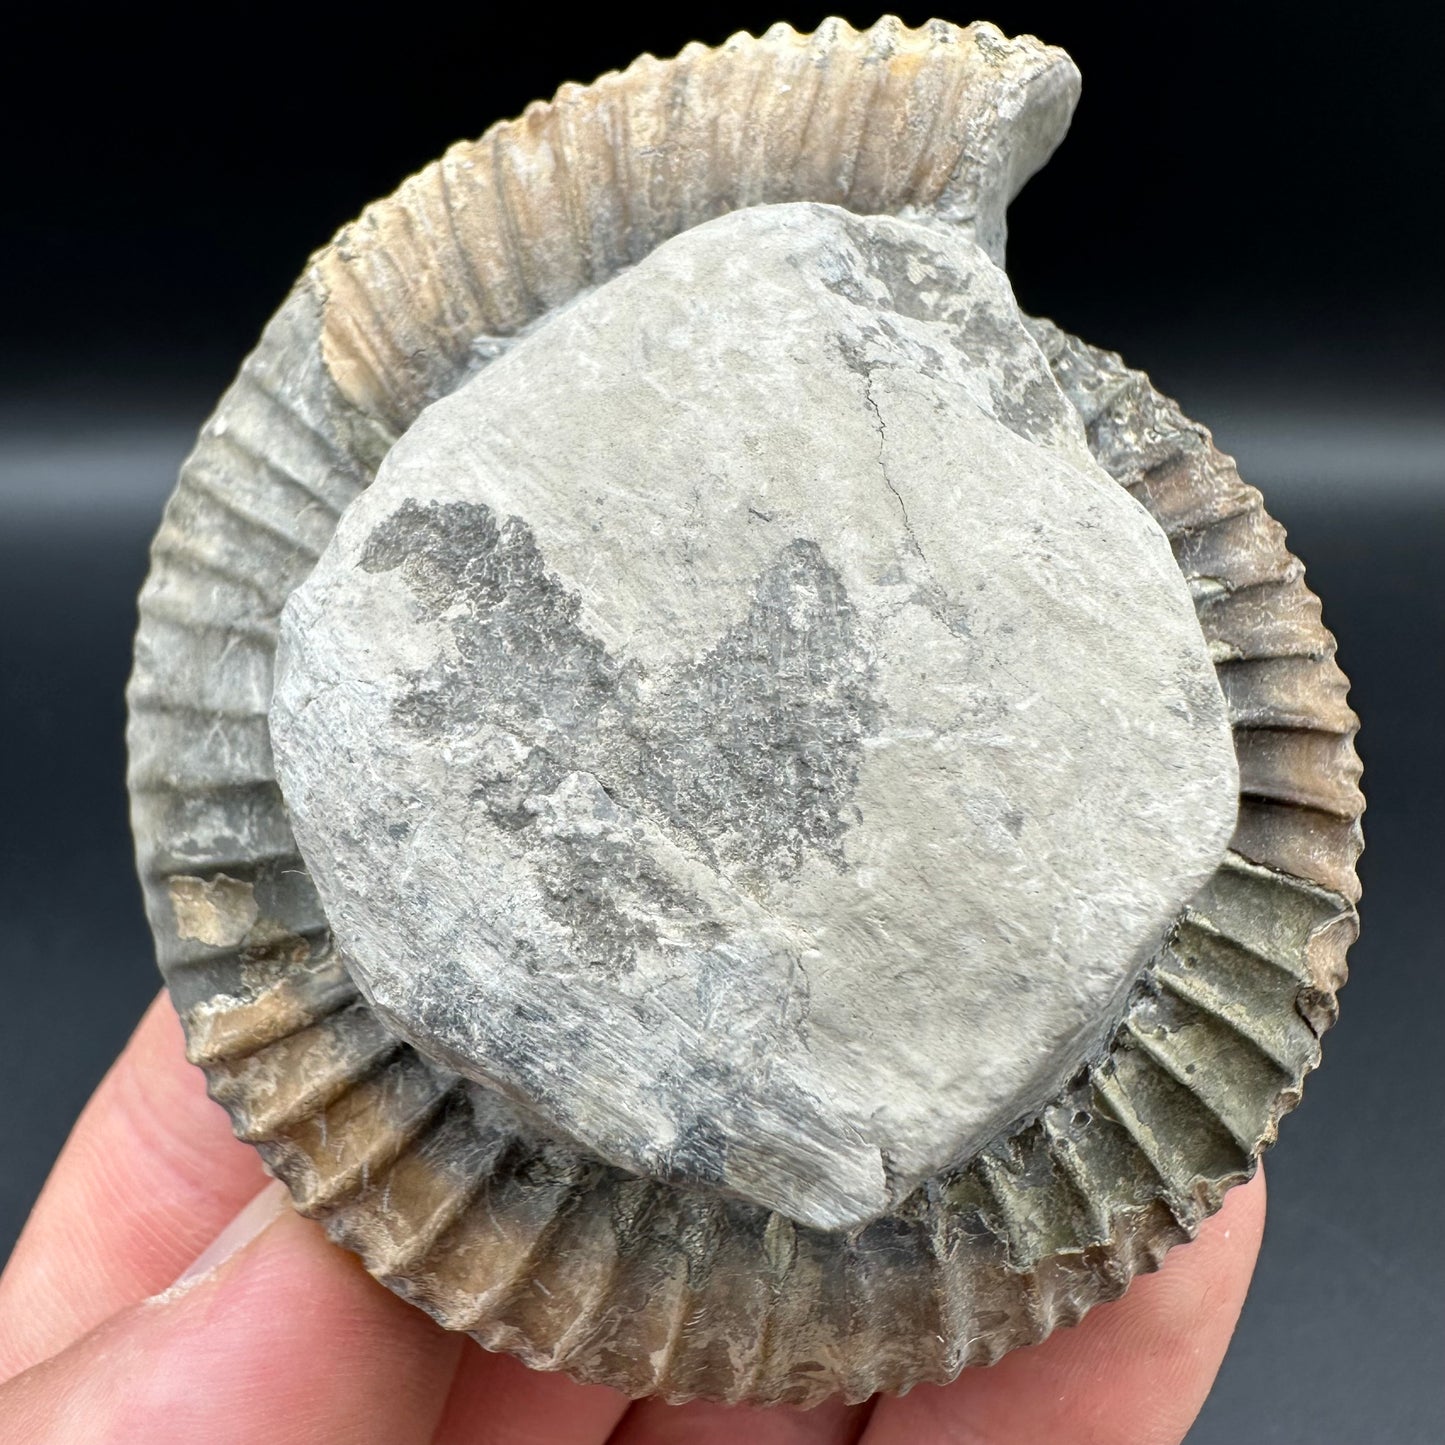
point(534, 1247)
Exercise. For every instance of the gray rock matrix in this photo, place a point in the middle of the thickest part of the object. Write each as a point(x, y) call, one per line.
point(744, 726)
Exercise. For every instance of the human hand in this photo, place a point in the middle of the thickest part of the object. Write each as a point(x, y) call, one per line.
point(140, 1308)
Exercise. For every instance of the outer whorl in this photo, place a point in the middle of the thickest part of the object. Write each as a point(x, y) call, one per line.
point(456, 1198)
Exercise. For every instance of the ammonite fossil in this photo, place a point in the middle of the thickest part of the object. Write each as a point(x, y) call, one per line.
point(735, 816)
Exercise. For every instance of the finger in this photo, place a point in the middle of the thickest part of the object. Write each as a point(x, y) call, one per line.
point(150, 1172)
point(653, 1423)
point(287, 1341)
point(496, 1400)
point(1135, 1372)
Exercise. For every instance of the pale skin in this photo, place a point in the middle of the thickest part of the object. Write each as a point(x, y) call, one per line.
point(274, 1335)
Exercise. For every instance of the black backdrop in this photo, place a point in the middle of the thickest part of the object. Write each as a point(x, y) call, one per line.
point(1249, 180)
point(1248, 206)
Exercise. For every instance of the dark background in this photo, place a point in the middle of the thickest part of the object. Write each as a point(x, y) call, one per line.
point(1248, 206)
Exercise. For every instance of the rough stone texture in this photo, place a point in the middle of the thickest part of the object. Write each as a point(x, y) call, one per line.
point(746, 727)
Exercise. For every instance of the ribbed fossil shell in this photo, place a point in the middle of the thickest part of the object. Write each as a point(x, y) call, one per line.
point(536, 1248)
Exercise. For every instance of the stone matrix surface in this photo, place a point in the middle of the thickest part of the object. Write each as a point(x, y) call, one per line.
point(746, 727)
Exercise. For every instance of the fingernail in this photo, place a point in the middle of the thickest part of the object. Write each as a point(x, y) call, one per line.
point(252, 1219)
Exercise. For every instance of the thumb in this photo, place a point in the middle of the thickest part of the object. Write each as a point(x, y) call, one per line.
point(271, 1334)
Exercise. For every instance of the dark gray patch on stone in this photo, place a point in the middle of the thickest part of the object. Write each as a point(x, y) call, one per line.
point(765, 731)
point(526, 667)
point(925, 284)
point(762, 733)
point(516, 614)
point(750, 753)
point(891, 261)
